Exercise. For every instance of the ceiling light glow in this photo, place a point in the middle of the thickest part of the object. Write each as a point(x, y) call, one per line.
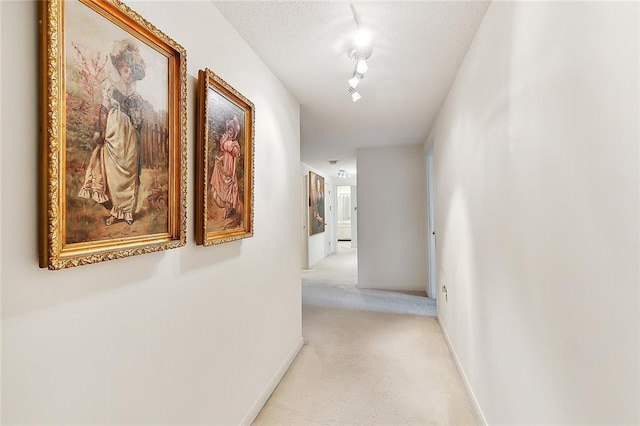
point(362, 38)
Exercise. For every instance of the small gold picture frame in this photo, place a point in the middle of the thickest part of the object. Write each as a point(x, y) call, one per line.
point(113, 154)
point(316, 204)
point(224, 188)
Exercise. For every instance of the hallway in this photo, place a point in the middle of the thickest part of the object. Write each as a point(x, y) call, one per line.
point(370, 357)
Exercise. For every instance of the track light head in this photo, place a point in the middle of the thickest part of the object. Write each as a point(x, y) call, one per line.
point(355, 96)
point(355, 80)
point(362, 66)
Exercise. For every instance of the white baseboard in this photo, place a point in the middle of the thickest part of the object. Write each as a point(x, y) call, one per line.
point(465, 381)
point(271, 386)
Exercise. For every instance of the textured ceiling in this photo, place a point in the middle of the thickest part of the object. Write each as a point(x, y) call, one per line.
point(417, 50)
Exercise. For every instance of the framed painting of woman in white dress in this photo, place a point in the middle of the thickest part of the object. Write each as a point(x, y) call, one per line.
point(114, 142)
point(224, 196)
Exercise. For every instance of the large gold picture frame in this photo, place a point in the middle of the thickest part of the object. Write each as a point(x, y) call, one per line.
point(113, 146)
point(224, 194)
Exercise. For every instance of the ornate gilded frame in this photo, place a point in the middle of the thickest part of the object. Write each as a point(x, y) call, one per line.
point(217, 221)
point(55, 252)
point(316, 204)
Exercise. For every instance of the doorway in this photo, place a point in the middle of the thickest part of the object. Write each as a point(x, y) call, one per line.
point(345, 230)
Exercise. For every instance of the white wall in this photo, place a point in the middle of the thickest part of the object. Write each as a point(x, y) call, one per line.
point(536, 157)
point(392, 218)
point(192, 335)
point(431, 245)
point(354, 216)
point(321, 245)
point(304, 234)
point(331, 216)
point(331, 244)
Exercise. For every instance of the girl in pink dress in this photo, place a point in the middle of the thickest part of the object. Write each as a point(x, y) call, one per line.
point(224, 182)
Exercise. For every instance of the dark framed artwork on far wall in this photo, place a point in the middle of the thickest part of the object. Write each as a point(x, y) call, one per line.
point(316, 204)
point(225, 162)
point(113, 153)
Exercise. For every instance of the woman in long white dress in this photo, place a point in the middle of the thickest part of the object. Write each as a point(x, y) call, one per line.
point(113, 175)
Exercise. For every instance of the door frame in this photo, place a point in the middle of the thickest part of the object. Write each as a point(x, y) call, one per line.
point(304, 238)
point(431, 223)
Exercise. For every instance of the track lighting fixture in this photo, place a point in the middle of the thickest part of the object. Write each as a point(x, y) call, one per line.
point(359, 52)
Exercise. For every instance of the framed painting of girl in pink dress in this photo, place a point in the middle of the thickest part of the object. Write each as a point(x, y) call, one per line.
point(224, 195)
point(114, 135)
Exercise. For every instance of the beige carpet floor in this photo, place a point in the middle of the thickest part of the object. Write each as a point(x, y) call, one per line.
point(369, 358)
